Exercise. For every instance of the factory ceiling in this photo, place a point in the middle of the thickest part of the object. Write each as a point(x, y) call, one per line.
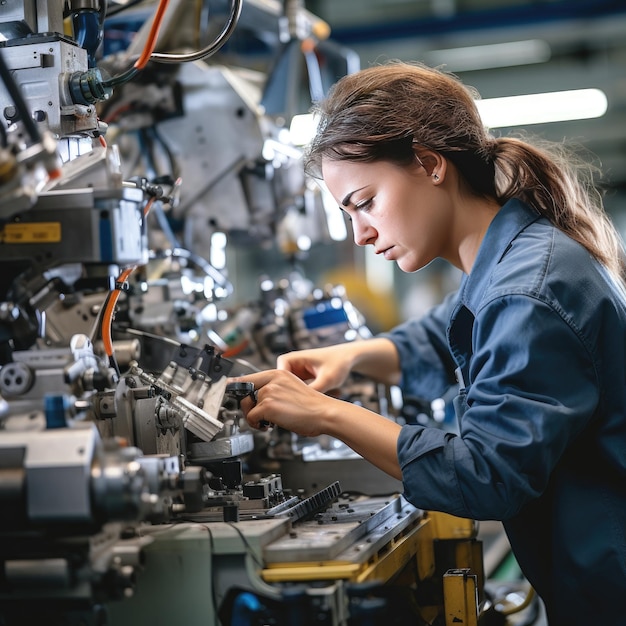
point(559, 45)
point(501, 47)
point(507, 48)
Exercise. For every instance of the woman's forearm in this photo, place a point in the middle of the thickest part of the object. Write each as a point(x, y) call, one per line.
point(372, 436)
point(377, 359)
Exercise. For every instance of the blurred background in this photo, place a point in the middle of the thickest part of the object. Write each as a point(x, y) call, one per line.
point(503, 48)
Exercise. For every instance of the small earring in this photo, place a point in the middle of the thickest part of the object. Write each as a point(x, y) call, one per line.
point(436, 177)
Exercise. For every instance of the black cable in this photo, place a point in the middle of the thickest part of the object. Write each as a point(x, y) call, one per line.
point(114, 364)
point(161, 57)
point(102, 12)
point(164, 224)
point(146, 147)
point(236, 166)
point(156, 133)
point(4, 141)
point(210, 50)
point(122, 78)
point(19, 102)
point(151, 137)
point(146, 138)
point(213, 578)
point(149, 335)
point(246, 543)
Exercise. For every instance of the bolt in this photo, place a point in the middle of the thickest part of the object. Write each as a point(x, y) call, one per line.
point(10, 112)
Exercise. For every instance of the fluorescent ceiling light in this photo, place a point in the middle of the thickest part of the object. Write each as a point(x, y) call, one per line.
point(490, 55)
point(542, 108)
point(524, 110)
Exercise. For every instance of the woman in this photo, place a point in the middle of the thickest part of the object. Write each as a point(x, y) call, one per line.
point(535, 336)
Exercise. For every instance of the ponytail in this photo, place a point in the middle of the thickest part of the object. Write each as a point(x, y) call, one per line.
point(558, 184)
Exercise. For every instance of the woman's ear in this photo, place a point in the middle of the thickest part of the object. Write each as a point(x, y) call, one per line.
point(433, 163)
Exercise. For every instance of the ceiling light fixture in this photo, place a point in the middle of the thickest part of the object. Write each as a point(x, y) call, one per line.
point(542, 108)
point(507, 111)
point(490, 56)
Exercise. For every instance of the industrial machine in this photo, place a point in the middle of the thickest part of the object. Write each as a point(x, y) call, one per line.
point(131, 489)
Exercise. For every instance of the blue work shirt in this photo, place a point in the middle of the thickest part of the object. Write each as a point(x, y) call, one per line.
point(537, 337)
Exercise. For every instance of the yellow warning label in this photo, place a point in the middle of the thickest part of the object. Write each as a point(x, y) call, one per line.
point(37, 232)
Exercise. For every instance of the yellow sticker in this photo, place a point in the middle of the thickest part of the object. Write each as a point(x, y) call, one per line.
point(37, 232)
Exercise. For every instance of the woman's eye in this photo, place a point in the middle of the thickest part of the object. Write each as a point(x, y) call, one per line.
point(363, 205)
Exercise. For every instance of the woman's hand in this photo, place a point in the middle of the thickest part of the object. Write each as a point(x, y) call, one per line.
point(324, 369)
point(328, 368)
point(282, 399)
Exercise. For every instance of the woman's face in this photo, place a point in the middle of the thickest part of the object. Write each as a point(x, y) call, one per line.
point(400, 210)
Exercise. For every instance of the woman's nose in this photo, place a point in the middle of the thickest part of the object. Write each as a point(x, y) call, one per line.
point(363, 233)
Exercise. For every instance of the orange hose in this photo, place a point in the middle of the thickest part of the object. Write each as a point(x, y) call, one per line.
point(148, 206)
point(109, 310)
point(107, 316)
point(142, 61)
point(229, 353)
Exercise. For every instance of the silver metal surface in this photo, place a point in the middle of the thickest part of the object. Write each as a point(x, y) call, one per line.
point(38, 68)
point(223, 448)
point(342, 526)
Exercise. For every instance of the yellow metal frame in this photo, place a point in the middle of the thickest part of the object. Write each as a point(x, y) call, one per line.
point(416, 541)
point(383, 565)
point(460, 594)
point(461, 586)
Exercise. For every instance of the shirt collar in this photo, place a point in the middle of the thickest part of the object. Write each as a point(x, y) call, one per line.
point(509, 222)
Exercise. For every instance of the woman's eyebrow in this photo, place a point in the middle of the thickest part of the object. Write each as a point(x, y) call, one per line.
point(346, 201)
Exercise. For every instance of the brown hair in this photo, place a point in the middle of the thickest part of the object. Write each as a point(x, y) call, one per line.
point(380, 112)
